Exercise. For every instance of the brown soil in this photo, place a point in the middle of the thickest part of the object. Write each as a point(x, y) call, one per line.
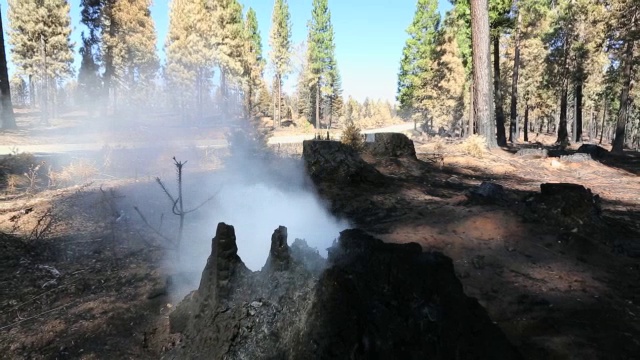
point(75, 286)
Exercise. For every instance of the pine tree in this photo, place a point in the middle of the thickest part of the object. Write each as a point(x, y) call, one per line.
point(321, 55)
point(228, 45)
point(41, 45)
point(336, 102)
point(483, 96)
point(19, 90)
point(254, 63)
point(418, 53)
point(442, 92)
point(189, 45)
point(626, 14)
point(129, 45)
point(280, 42)
point(89, 84)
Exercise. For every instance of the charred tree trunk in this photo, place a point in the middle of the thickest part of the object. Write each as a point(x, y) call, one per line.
point(604, 118)
point(526, 122)
point(8, 119)
point(578, 116)
point(563, 135)
point(483, 97)
point(514, 86)
point(627, 72)
point(501, 136)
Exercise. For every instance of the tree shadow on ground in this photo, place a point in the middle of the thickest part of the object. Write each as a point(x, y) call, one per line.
point(555, 292)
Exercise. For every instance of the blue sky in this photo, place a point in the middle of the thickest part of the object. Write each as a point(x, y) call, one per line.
point(369, 36)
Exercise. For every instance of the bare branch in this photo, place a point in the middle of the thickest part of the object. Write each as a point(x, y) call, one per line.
point(144, 219)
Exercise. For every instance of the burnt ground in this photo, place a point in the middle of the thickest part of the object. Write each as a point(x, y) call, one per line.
point(82, 285)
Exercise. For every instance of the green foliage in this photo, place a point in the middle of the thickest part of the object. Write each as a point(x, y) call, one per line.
point(40, 30)
point(229, 41)
point(280, 41)
point(129, 47)
point(418, 53)
point(321, 56)
point(19, 91)
point(253, 64)
point(280, 38)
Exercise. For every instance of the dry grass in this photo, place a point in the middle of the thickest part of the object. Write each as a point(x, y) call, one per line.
point(475, 146)
point(78, 172)
point(439, 145)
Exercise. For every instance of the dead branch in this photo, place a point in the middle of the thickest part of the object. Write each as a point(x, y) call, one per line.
point(144, 219)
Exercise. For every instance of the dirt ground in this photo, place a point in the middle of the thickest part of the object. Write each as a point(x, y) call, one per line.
point(92, 285)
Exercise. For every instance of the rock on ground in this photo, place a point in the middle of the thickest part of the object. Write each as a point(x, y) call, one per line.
point(372, 301)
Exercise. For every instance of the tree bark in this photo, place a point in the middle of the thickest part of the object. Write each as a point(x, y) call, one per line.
point(604, 118)
point(627, 72)
point(578, 116)
point(501, 136)
point(8, 118)
point(563, 135)
point(318, 105)
point(44, 107)
point(514, 86)
point(483, 97)
point(279, 77)
point(471, 126)
point(223, 92)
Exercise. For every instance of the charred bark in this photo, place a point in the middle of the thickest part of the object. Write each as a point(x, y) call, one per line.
point(627, 72)
point(578, 120)
point(501, 136)
point(514, 87)
point(8, 119)
point(483, 97)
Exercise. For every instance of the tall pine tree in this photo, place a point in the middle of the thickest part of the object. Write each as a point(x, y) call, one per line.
point(41, 45)
point(418, 54)
point(129, 42)
point(280, 42)
point(321, 50)
point(254, 63)
point(228, 46)
point(188, 46)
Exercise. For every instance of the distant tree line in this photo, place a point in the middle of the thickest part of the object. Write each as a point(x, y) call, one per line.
point(564, 65)
point(214, 62)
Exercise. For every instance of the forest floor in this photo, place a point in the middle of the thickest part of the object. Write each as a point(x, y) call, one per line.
point(80, 281)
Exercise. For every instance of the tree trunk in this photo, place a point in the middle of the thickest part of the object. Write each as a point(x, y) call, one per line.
point(578, 117)
point(8, 119)
point(32, 93)
point(279, 77)
point(514, 86)
point(223, 92)
point(483, 97)
point(44, 96)
point(471, 125)
point(563, 135)
point(318, 105)
point(526, 122)
point(501, 136)
point(627, 72)
point(604, 118)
